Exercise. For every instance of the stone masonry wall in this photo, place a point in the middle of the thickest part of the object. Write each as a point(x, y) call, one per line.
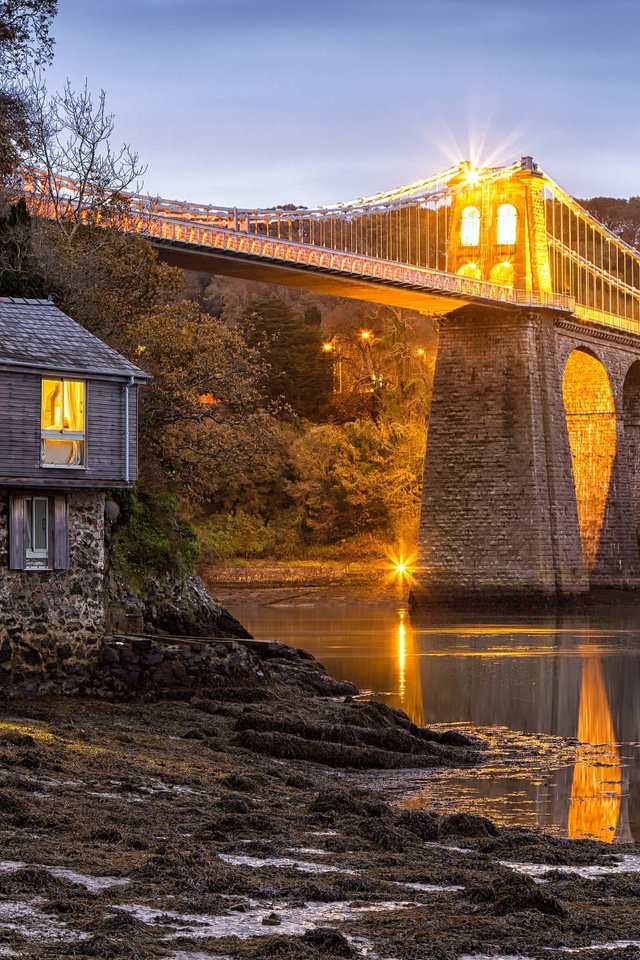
point(499, 512)
point(52, 621)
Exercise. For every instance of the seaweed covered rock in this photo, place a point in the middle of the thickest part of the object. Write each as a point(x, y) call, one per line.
point(182, 606)
point(172, 604)
point(512, 893)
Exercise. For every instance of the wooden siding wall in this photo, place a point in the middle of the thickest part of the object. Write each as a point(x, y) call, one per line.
point(20, 434)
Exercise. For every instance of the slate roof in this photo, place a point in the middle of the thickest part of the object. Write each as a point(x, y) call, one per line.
point(35, 334)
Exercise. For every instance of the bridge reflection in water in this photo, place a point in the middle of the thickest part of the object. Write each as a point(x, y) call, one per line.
point(596, 790)
point(569, 676)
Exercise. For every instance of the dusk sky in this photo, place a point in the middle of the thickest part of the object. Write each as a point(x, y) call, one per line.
point(261, 102)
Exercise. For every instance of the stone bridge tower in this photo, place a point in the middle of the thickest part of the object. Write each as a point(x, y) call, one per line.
point(531, 485)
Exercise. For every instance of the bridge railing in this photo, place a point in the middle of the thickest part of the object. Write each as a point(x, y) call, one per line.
point(336, 261)
point(224, 230)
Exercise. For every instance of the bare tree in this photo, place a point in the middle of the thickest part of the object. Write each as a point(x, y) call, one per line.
point(84, 176)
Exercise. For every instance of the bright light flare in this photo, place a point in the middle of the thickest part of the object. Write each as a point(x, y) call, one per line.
point(401, 566)
point(471, 176)
point(365, 334)
point(327, 347)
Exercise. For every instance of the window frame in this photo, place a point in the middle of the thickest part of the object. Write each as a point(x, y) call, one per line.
point(34, 557)
point(58, 554)
point(63, 434)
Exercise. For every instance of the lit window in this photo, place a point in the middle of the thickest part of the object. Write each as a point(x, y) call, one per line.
point(62, 423)
point(37, 532)
point(470, 229)
point(507, 223)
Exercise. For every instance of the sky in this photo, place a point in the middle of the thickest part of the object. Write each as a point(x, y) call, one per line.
point(265, 102)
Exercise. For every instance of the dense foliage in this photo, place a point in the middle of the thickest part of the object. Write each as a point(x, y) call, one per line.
point(25, 43)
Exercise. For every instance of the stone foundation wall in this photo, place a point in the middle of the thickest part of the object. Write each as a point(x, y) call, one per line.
point(52, 621)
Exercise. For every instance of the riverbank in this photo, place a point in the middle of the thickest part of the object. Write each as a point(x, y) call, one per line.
point(243, 821)
point(303, 581)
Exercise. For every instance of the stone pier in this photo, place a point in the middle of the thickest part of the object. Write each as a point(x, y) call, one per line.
point(530, 487)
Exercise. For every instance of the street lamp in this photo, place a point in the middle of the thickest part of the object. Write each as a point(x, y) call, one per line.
point(328, 347)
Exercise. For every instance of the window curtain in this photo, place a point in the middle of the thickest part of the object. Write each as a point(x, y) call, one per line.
point(74, 405)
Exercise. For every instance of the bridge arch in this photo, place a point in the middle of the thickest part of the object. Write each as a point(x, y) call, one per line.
point(470, 270)
point(503, 273)
point(590, 413)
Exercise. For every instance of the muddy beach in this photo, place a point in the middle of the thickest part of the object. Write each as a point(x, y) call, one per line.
point(253, 820)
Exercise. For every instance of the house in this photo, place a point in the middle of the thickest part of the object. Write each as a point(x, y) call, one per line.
point(69, 433)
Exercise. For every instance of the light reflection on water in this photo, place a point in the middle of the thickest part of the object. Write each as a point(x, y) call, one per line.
point(566, 675)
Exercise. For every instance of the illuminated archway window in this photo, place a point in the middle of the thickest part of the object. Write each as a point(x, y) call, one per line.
point(507, 223)
point(470, 228)
point(502, 273)
point(591, 424)
point(469, 270)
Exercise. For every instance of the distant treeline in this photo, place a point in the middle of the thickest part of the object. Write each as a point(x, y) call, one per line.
point(619, 215)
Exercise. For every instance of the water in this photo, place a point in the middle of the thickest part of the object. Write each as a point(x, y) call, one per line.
point(574, 676)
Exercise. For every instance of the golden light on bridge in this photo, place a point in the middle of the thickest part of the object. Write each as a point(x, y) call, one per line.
point(471, 176)
point(327, 347)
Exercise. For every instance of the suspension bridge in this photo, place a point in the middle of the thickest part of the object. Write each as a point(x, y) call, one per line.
point(532, 471)
point(506, 234)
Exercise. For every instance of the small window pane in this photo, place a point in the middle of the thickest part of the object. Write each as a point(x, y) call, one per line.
point(62, 453)
point(52, 404)
point(40, 524)
point(470, 228)
point(29, 524)
point(507, 223)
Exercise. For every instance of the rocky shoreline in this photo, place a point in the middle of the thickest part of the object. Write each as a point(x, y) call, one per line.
point(225, 819)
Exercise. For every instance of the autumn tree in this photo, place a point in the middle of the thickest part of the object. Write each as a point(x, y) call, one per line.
point(203, 413)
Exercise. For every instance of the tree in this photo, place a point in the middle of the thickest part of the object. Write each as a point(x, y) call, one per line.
point(24, 34)
point(386, 354)
point(620, 215)
point(19, 273)
point(362, 478)
point(206, 386)
point(24, 42)
point(71, 138)
point(298, 371)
